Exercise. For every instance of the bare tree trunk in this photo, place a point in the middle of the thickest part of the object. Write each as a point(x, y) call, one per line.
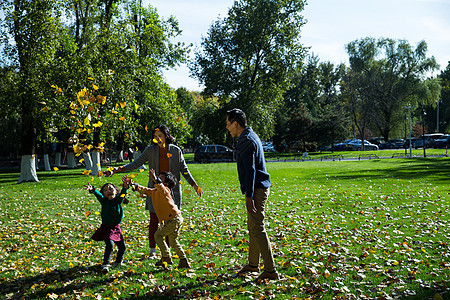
point(87, 161)
point(46, 162)
point(28, 169)
point(96, 163)
point(71, 163)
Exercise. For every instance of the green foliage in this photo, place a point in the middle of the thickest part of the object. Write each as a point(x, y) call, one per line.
point(119, 46)
point(444, 109)
point(11, 123)
point(247, 57)
point(385, 75)
point(312, 116)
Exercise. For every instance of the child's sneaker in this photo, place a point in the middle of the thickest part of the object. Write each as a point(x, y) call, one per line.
point(105, 268)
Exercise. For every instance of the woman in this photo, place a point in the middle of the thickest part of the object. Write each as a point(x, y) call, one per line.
point(162, 156)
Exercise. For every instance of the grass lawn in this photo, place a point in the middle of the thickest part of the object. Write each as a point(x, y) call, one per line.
point(339, 230)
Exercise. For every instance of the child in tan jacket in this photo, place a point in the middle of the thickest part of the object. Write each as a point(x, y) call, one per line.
point(168, 214)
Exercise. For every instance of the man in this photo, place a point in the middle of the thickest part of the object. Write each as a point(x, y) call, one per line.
point(255, 184)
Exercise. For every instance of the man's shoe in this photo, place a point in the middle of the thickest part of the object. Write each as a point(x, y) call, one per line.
point(163, 262)
point(267, 275)
point(184, 264)
point(248, 269)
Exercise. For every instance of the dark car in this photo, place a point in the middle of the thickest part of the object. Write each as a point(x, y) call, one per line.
point(393, 144)
point(213, 153)
point(429, 140)
point(443, 141)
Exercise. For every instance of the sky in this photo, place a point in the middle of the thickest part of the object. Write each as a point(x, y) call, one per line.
point(331, 24)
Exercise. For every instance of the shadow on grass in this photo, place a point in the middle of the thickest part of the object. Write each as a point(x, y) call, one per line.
point(407, 169)
point(71, 281)
point(13, 177)
point(74, 281)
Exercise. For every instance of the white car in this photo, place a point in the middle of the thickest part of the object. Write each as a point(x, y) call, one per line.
point(356, 145)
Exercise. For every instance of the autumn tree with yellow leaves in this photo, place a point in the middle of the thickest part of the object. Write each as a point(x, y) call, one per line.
point(121, 46)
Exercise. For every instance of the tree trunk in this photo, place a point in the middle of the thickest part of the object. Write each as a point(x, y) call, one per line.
point(28, 149)
point(87, 161)
point(71, 163)
point(28, 169)
point(96, 164)
point(119, 156)
point(58, 159)
point(46, 162)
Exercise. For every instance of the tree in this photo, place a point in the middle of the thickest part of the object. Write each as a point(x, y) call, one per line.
point(33, 26)
point(117, 46)
point(444, 107)
point(313, 107)
point(386, 74)
point(247, 58)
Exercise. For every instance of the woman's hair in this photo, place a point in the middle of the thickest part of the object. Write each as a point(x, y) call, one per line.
point(237, 115)
point(105, 185)
point(165, 130)
point(170, 179)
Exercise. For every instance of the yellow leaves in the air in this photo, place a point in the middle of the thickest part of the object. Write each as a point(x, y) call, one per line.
point(94, 87)
point(45, 109)
point(55, 169)
point(169, 155)
point(98, 124)
point(87, 120)
point(123, 104)
point(58, 90)
point(122, 118)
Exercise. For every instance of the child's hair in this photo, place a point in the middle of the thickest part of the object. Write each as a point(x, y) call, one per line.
point(105, 185)
point(170, 179)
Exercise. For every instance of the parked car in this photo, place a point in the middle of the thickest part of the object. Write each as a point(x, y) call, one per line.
point(393, 144)
point(376, 141)
point(357, 145)
point(413, 141)
point(428, 138)
point(213, 153)
point(443, 141)
point(341, 147)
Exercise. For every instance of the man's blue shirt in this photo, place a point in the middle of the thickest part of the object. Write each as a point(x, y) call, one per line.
point(250, 163)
